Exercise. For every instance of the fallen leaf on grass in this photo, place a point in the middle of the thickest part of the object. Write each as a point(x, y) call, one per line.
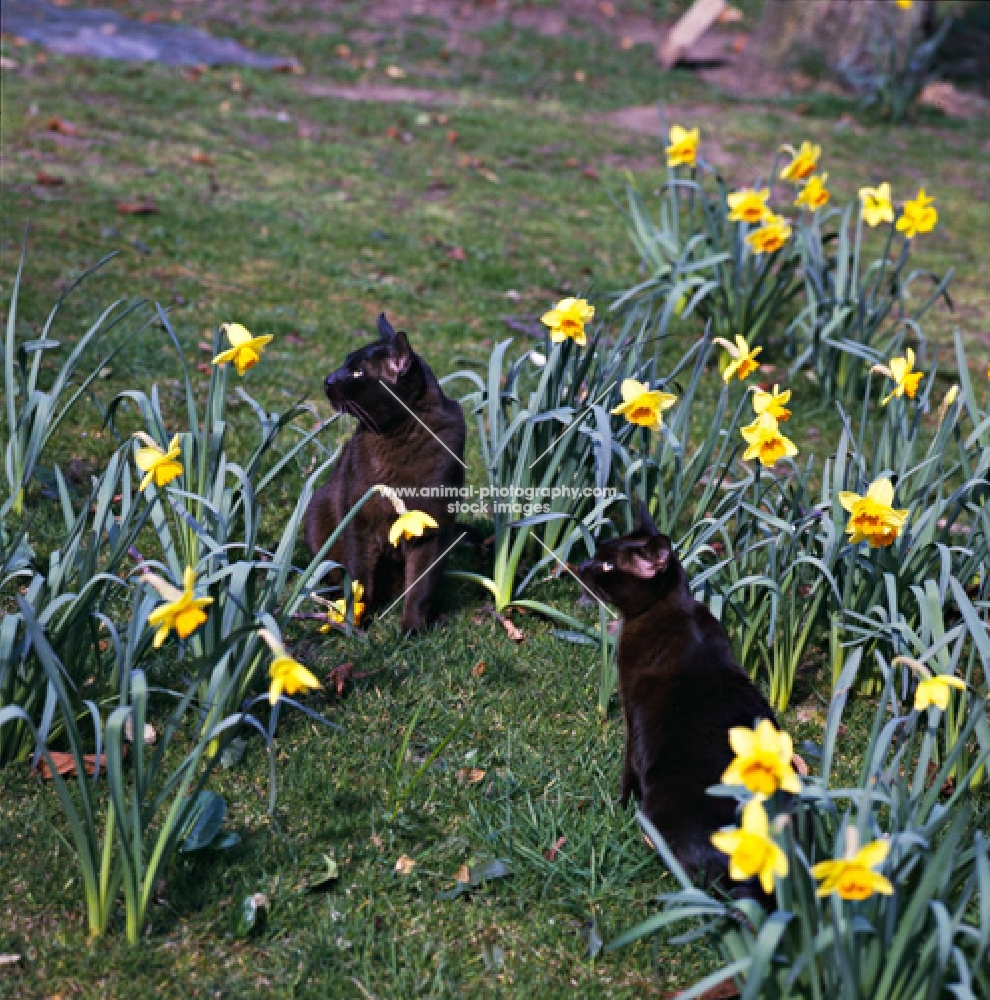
point(62, 126)
point(470, 775)
point(203, 159)
point(405, 865)
point(49, 180)
point(339, 676)
point(478, 669)
point(65, 764)
point(475, 877)
point(551, 855)
point(512, 630)
point(140, 207)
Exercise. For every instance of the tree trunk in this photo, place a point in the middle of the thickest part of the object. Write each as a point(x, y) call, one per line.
point(796, 33)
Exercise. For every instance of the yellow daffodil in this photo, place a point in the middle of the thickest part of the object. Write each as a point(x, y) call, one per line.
point(771, 236)
point(743, 362)
point(934, 690)
point(642, 405)
point(763, 760)
point(288, 676)
point(947, 400)
point(905, 378)
point(814, 195)
point(853, 876)
point(919, 216)
point(337, 610)
point(567, 319)
point(182, 610)
point(774, 403)
point(748, 205)
point(245, 350)
point(877, 206)
point(803, 162)
point(159, 467)
point(683, 148)
point(412, 524)
point(766, 442)
point(872, 517)
point(751, 850)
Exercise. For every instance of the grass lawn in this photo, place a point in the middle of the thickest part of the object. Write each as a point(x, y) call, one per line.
point(303, 215)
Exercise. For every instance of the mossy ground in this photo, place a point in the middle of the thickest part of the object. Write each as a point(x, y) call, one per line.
point(303, 216)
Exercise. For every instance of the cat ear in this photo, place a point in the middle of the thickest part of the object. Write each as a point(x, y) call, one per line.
point(385, 330)
point(649, 557)
point(399, 356)
point(643, 521)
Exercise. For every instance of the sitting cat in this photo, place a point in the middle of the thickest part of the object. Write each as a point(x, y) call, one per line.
point(393, 393)
point(681, 690)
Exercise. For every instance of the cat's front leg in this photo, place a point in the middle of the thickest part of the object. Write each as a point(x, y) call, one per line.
point(423, 569)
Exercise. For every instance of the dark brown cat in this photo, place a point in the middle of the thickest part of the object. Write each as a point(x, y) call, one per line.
point(393, 393)
point(682, 691)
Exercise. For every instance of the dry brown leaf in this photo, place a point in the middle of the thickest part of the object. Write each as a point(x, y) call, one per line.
point(512, 630)
point(463, 874)
point(470, 775)
point(203, 159)
point(65, 764)
point(478, 669)
point(405, 865)
point(62, 126)
point(144, 206)
point(339, 676)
